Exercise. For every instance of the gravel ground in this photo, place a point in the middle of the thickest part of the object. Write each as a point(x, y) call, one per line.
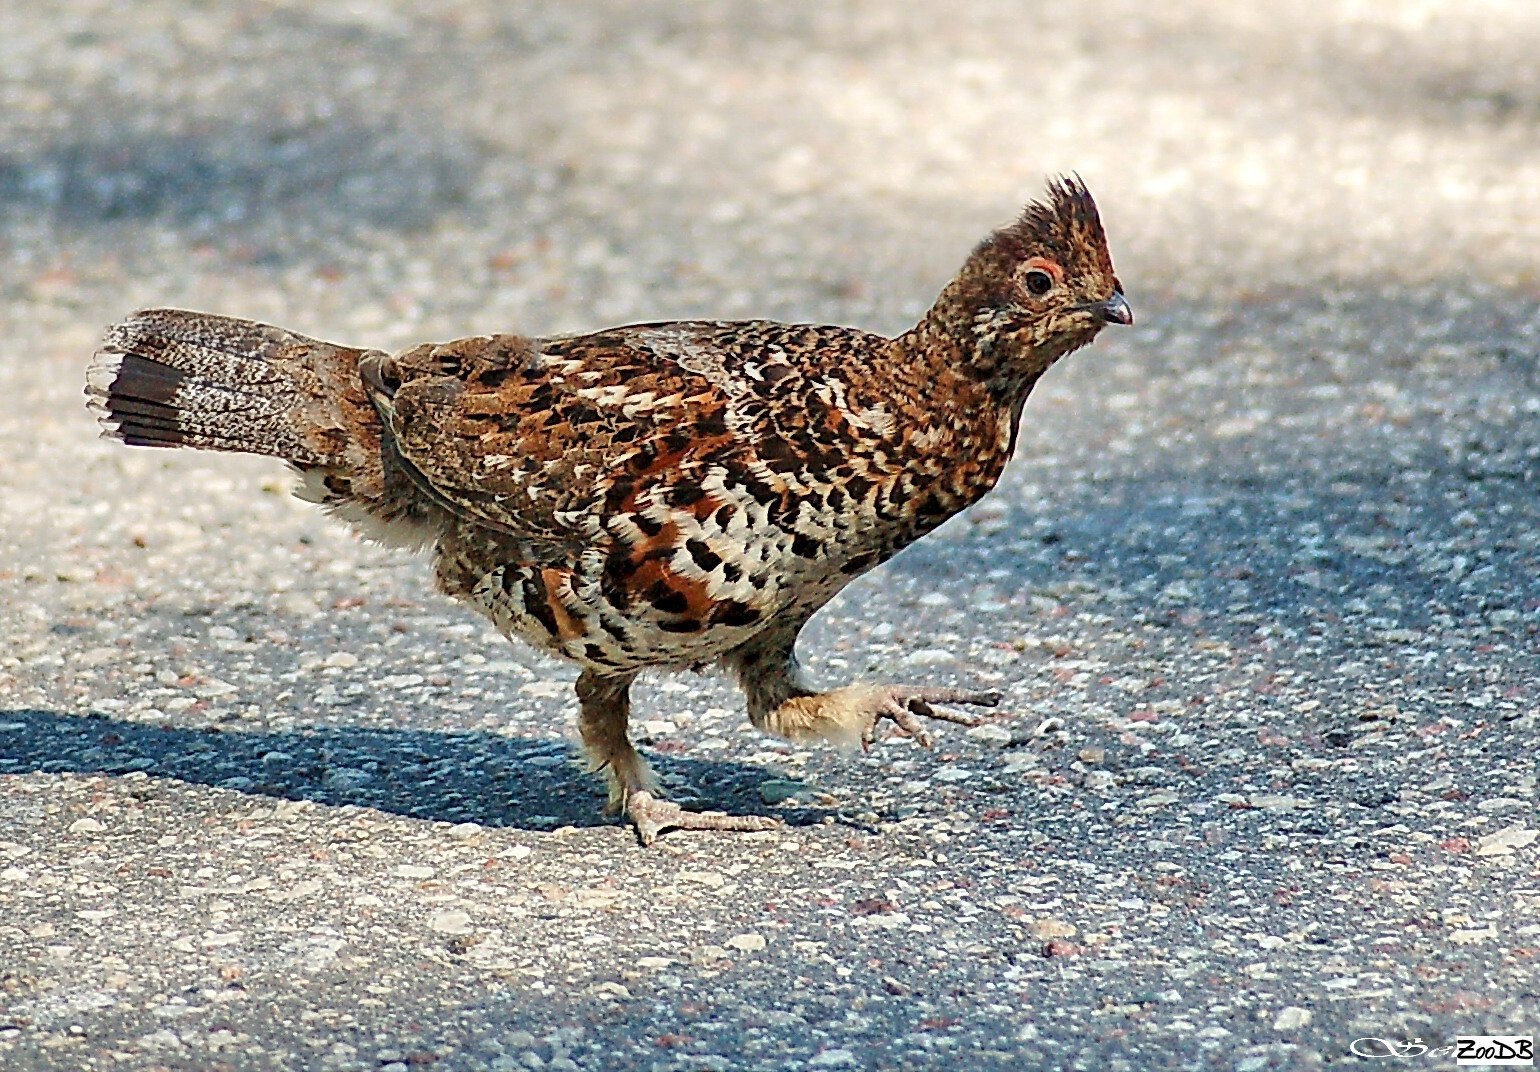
point(1262, 586)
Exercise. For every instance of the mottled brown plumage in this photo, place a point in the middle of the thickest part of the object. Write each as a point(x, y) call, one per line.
point(658, 495)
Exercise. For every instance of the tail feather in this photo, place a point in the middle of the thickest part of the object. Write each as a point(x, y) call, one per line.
point(171, 378)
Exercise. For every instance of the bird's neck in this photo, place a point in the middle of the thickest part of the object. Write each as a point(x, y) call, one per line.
point(963, 336)
point(970, 374)
point(957, 432)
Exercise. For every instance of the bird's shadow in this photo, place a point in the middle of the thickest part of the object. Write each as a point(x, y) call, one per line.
point(486, 778)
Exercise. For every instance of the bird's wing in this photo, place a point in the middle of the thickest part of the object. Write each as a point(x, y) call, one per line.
point(576, 440)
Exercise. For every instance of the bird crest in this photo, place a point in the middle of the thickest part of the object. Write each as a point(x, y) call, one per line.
point(1064, 225)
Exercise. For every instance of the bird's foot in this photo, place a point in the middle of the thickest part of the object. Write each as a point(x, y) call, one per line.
point(652, 816)
point(905, 705)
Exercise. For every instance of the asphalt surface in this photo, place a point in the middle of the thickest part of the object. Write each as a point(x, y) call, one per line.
point(1262, 586)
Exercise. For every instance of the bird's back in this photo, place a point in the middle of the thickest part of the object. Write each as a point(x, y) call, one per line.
point(660, 492)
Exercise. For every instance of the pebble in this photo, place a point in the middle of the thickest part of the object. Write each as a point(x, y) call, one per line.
point(746, 943)
point(451, 921)
point(1473, 935)
point(928, 657)
point(347, 778)
point(1501, 804)
point(1048, 928)
point(711, 879)
point(1292, 1018)
point(1277, 802)
point(1100, 781)
point(1506, 841)
point(87, 825)
point(838, 1058)
point(780, 791)
point(991, 733)
point(883, 920)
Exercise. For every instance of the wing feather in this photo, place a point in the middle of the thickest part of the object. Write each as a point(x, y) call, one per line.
point(569, 439)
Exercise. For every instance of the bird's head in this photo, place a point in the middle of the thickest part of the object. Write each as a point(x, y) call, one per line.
point(1037, 289)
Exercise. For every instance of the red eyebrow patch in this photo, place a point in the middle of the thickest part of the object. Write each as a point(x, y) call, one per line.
point(1043, 264)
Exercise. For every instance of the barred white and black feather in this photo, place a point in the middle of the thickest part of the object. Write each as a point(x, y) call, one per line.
point(172, 378)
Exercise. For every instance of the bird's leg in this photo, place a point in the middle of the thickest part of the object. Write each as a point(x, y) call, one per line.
point(781, 703)
point(604, 709)
point(605, 704)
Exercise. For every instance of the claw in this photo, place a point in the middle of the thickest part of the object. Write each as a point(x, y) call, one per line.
point(652, 816)
point(901, 703)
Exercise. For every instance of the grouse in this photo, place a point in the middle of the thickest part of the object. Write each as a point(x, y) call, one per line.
point(654, 496)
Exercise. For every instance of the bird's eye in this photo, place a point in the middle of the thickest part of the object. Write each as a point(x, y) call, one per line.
point(1038, 282)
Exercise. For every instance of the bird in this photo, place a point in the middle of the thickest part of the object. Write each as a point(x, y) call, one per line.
point(657, 496)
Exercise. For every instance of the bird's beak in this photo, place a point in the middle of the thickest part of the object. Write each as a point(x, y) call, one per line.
point(1115, 309)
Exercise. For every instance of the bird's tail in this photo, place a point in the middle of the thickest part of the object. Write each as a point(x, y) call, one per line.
point(173, 378)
